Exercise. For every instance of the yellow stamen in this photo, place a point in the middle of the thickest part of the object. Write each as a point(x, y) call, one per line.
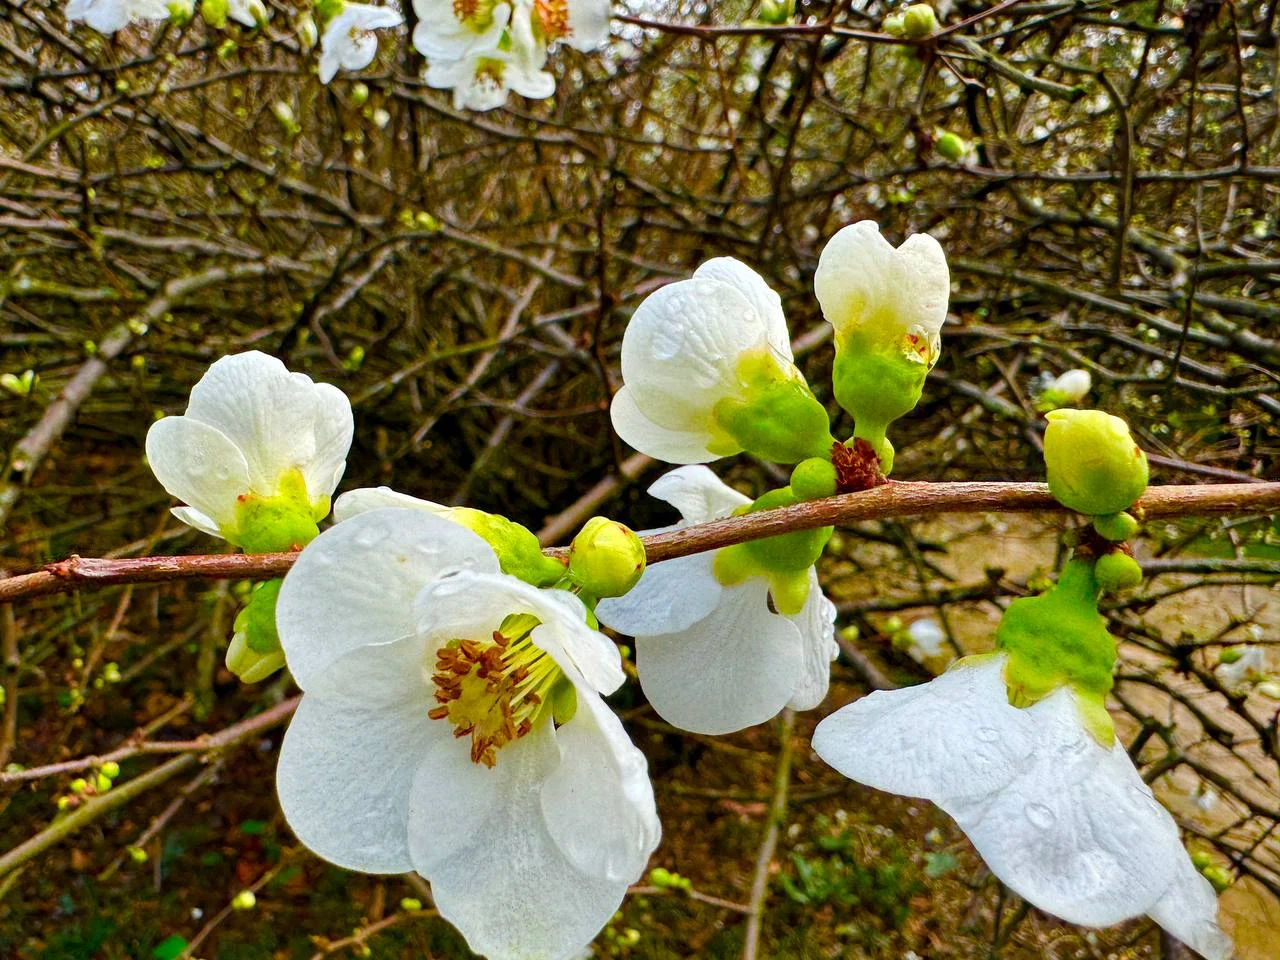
point(494, 691)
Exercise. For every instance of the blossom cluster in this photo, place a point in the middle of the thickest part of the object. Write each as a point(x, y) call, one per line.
point(454, 721)
point(480, 49)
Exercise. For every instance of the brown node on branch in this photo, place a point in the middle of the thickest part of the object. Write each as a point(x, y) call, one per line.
point(857, 466)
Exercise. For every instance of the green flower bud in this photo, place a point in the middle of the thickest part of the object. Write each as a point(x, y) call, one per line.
point(64, 803)
point(1117, 571)
point(951, 146)
point(137, 854)
point(894, 25)
point(102, 783)
point(919, 21)
point(359, 94)
point(181, 12)
point(79, 785)
point(255, 652)
point(215, 12)
point(1200, 859)
point(308, 35)
point(1269, 689)
point(813, 478)
point(776, 11)
point(244, 900)
point(1231, 654)
point(111, 769)
point(606, 558)
point(326, 10)
point(1116, 526)
point(1093, 464)
point(410, 904)
point(284, 113)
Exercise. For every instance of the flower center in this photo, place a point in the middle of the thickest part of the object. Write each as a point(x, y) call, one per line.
point(495, 691)
point(475, 15)
point(553, 18)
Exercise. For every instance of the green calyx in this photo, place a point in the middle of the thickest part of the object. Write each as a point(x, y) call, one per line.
point(519, 553)
point(776, 416)
point(1094, 467)
point(285, 521)
point(877, 381)
point(1059, 638)
point(784, 560)
point(606, 558)
point(255, 652)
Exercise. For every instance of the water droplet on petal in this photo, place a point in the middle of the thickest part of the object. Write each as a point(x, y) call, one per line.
point(1039, 815)
point(988, 734)
point(370, 537)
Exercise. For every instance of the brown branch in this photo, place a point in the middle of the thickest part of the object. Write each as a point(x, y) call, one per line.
point(894, 499)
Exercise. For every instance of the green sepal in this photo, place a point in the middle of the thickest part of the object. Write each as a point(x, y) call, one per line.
point(777, 417)
point(286, 521)
point(784, 560)
point(519, 553)
point(1059, 638)
point(877, 382)
point(255, 652)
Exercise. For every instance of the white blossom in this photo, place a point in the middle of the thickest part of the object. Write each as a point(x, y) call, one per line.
point(108, 16)
point(348, 42)
point(715, 658)
point(1071, 386)
point(581, 24)
point(868, 288)
point(926, 639)
point(251, 13)
point(684, 352)
point(1065, 822)
point(482, 76)
point(449, 30)
point(452, 723)
point(251, 429)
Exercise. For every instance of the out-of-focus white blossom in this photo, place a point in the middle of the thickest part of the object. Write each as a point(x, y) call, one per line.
point(108, 16)
point(1237, 667)
point(348, 41)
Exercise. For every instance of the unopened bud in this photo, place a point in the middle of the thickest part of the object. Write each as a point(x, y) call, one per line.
point(244, 900)
point(410, 905)
point(111, 769)
point(1117, 571)
point(1093, 464)
point(248, 664)
point(776, 11)
point(919, 21)
point(951, 146)
point(284, 113)
point(137, 854)
point(181, 12)
point(894, 25)
point(1201, 859)
point(307, 32)
point(1116, 526)
point(359, 94)
point(1269, 688)
point(215, 12)
point(1219, 876)
point(606, 558)
point(813, 478)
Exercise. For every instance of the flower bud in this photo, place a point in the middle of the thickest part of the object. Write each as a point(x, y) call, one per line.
point(181, 12)
point(1065, 390)
point(255, 652)
point(308, 34)
point(1269, 688)
point(111, 769)
point(1093, 464)
point(359, 94)
point(919, 21)
point(284, 113)
point(813, 478)
point(1116, 526)
point(1219, 876)
point(1117, 571)
point(776, 11)
point(136, 854)
point(894, 25)
point(244, 900)
point(606, 558)
point(951, 146)
point(1201, 859)
point(410, 904)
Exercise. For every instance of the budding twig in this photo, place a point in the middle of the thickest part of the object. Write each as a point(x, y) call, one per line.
point(894, 499)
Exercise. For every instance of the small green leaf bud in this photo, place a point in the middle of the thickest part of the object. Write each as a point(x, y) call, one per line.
point(951, 146)
point(136, 854)
point(102, 783)
point(410, 905)
point(776, 11)
point(1093, 464)
point(919, 21)
point(606, 558)
point(1116, 526)
point(1201, 859)
point(79, 785)
point(813, 478)
point(359, 94)
point(1117, 571)
point(244, 900)
point(215, 12)
point(111, 769)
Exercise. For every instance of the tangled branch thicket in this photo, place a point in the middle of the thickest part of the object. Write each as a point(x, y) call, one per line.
point(466, 280)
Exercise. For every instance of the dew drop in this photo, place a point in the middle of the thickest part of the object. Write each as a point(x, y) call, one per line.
point(370, 537)
point(988, 734)
point(1039, 815)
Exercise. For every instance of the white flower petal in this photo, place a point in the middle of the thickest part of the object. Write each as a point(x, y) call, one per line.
point(1189, 911)
point(379, 675)
point(952, 738)
point(588, 24)
point(672, 446)
point(357, 582)
point(1078, 834)
point(681, 350)
point(364, 499)
point(816, 622)
point(862, 278)
point(671, 596)
point(263, 409)
point(333, 427)
point(473, 603)
point(765, 301)
point(697, 493)
point(345, 779)
point(737, 667)
point(194, 518)
point(598, 802)
point(199, 465)
point(480, 837)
